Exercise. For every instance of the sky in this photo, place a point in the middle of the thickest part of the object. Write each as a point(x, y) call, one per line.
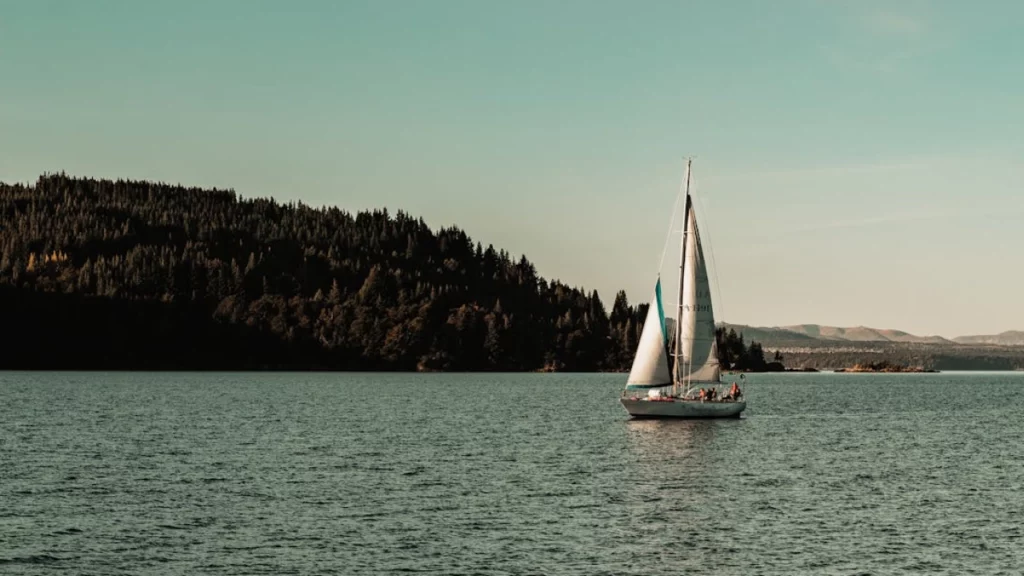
point(855, 163)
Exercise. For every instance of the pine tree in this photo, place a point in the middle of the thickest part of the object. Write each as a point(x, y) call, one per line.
point(334, 297)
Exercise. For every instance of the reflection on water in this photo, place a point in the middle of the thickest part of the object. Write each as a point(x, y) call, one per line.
point(671, 439)
point(674, 471)
point(671, 458)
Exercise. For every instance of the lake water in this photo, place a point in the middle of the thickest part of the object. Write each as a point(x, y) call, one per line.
point(129, 473)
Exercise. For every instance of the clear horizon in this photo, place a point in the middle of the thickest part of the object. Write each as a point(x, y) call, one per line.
point(856, 165)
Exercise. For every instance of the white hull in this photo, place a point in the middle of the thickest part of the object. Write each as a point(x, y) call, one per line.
point(643, 408)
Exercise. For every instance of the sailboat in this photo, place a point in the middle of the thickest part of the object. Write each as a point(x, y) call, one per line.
point(668, 385)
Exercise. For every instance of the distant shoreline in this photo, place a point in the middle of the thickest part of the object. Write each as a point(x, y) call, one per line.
point(853, 370)
point(887, 371)
point(294, 370)
point(808, 369)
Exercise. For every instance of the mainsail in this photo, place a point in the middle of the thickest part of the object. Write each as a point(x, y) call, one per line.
point(698, 351)
point(650, 365)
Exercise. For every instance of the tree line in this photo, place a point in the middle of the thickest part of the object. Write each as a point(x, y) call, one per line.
point(135, 274)
point(734, 354)
point(926, 356)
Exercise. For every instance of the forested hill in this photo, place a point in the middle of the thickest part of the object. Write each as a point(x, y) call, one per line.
point(100, 274)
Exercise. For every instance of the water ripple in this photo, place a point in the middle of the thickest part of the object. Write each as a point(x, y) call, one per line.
point(505, 474)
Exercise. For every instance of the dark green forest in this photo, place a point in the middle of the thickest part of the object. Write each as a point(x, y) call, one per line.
point(101, 274)
point(734, 354)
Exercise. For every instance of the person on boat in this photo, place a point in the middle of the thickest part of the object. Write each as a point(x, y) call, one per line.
point(703, 394)
point(734, 392)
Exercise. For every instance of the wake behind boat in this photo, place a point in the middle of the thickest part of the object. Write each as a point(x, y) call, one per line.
point(689, 387)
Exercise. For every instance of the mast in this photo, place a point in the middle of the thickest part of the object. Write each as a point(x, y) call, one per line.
point(682, 265)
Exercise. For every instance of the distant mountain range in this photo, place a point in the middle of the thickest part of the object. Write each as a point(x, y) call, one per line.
point(832, 347)
point(1008, 338)
point(812, 334)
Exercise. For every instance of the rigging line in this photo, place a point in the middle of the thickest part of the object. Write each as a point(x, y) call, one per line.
point(671, 223)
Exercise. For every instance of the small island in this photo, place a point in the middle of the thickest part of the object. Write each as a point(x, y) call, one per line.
point(886, 366)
